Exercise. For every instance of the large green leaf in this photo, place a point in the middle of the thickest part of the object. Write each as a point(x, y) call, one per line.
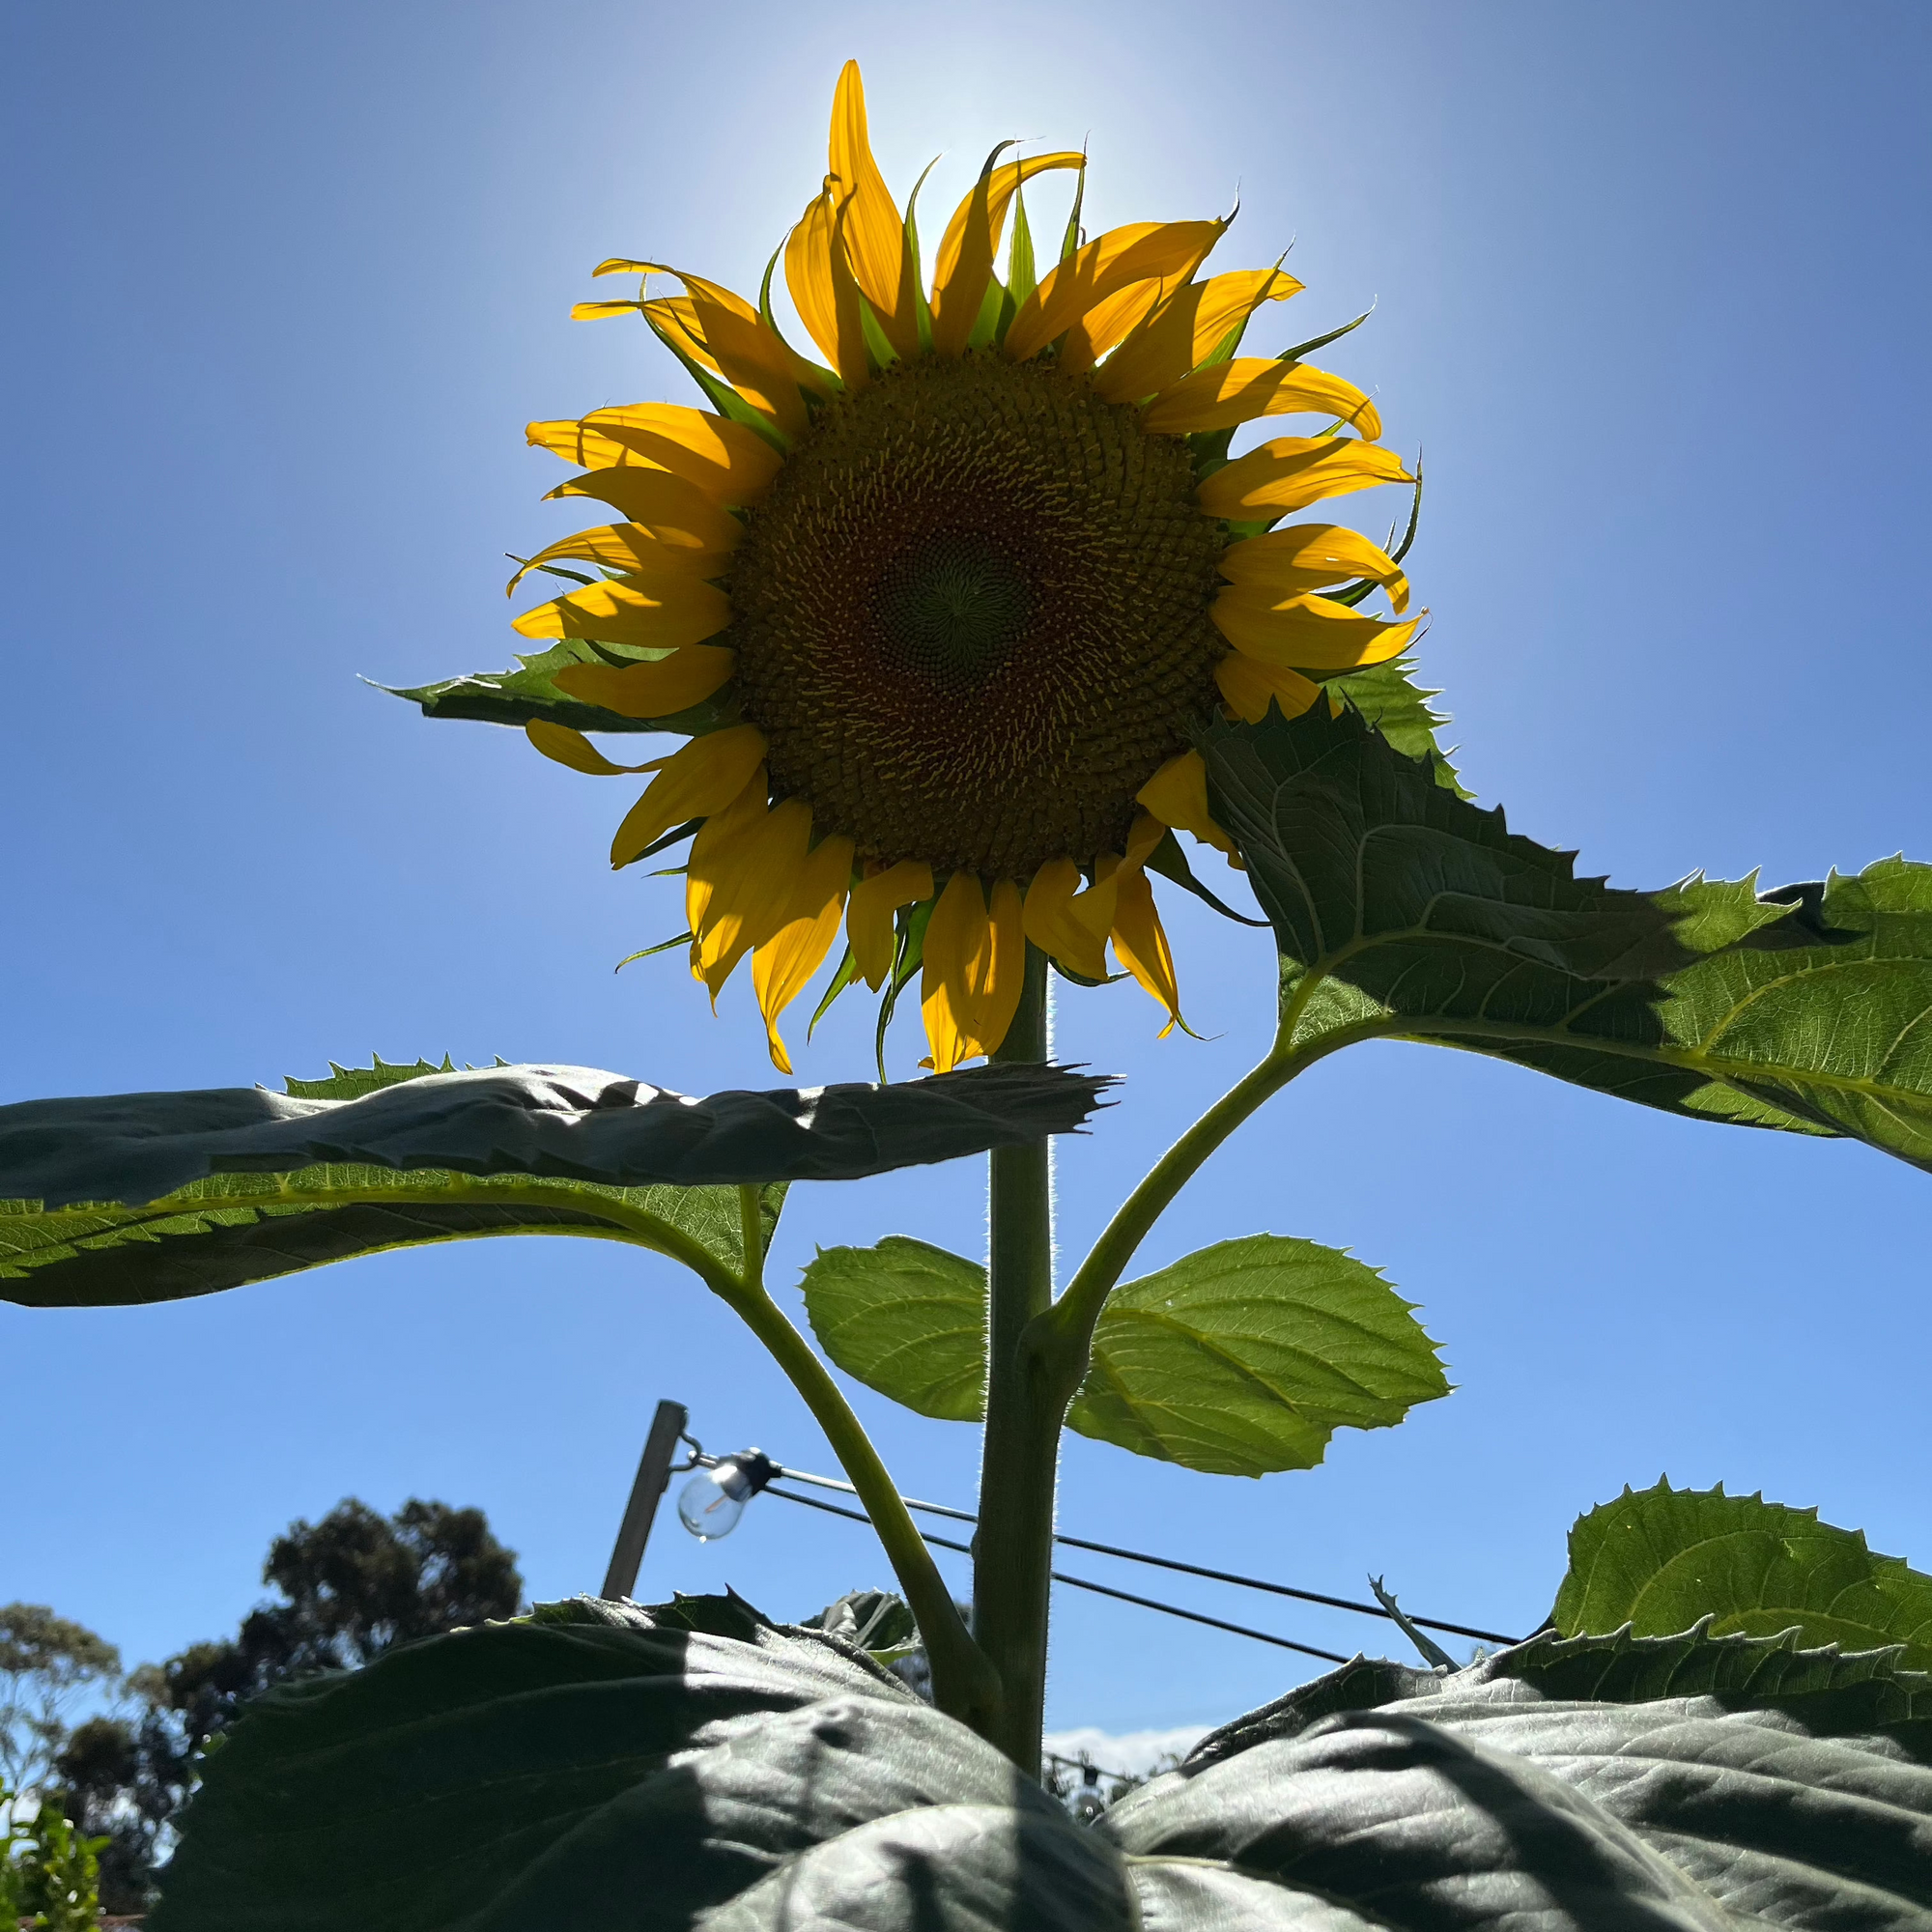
point(695, 1767)
point(1240, 1360)
point(150, 1197)
point(529, 692)
point(1387, 696)
point(1404, 912)
point(1658, 1560)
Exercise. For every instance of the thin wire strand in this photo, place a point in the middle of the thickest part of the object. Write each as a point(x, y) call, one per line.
point(1185, 1568)
point(1084, 1584)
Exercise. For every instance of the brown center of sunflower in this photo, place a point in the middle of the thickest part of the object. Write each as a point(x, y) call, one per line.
point(971, 616)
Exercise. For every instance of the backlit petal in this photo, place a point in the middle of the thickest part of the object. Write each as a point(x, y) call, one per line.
point(1249, 685)
point(565, 747)
point(700, 778)
point(869, 920)
point(1177, 796)
point(662, 612)
point(1051, 926)
point(972, 240)
point(658, 689)
point(1239, 392)
point(1107, 321)
point(785, 961)
point(628, 547)
point(1188, 329)
point(958, 945)
point(1140, 943)
point(1310, 633)
point(1311, 556)
point(874, 230)
point(751, 893)
point(1144, 251)
point(730, 463)
point(1293, 471)
point(822, 288)
point(716, 852)
point(673, 510)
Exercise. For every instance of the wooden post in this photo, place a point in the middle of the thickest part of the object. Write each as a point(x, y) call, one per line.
point(653, 1473)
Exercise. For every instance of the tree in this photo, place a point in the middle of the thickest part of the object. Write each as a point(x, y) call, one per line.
point(45, 1661)
point(353, 1586)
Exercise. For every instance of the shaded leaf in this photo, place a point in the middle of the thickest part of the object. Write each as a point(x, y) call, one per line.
point(1660, 1560)
point(1247, 1357)
point(868, 1620)
point(906, 1319)
point(153, 1196)
point(1401, 911)
point(1389, 699)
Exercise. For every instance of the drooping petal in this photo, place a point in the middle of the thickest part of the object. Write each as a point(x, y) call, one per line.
point(1050, 924)
point(997, 998)
point(658, 689)
point(1293, 471)
point(626, 548)
point(1312, 557)
point(972, 240)
point(1188, 329)
point(958, 950)
point(698, 779)
point(1142, 251)
point(749, 355)
point(676, 511)
point(751, 892)
point(785, 961)
point(1308, 632)
point(1239, 392)
point(1140, 943)
point(1249, 685)
point(662, 612)
point(565, 747)
point(869, 918)
point(822, 288)
point(1177, 796)
point(717, 851)
point(875, 242)
point(730, 463)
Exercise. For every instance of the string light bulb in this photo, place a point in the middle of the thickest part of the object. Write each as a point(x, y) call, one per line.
point(711, 1503)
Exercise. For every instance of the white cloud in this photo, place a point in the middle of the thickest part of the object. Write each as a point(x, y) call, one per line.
point(1126, 1750)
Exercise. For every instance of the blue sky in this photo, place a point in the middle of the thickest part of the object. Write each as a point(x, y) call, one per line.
point(288, 282)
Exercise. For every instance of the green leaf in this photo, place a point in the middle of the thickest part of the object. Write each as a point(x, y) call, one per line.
point(1658, 1560)
point(1388, 698)
point(906, 1319)
point(147, 1197)
point(1241, 1359)
point(1401, 911)
point(597, 1765)
point(1247, 1357)
point(530, 691)
point(870, 1620)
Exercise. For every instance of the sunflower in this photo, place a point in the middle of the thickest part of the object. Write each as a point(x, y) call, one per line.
point(937, 613)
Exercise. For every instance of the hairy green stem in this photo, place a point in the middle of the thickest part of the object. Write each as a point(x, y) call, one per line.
point(963, 1681)
point(1012, 1554)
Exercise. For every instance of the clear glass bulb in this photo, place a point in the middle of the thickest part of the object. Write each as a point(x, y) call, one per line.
point(711, 1503)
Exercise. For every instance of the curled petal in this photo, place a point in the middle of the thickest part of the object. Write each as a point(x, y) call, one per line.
point(658, 689)
point(1177, 796)
point(1312, 557)
point(1237, 392)
point(1144, 251)
point(1049, 920)
point(868, 921)
point(1293, 471)
point(822, 288)
point(966, 250)
point(783, 964)
point(1310, 633)
point(1139, 943)
point(565, 747)
point(701, 778)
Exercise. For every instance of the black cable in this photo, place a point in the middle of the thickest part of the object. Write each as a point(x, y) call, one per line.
point(1084, 1584)
point(1185, 1568)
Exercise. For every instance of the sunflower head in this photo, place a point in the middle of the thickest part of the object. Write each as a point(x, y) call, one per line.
point(936, 613)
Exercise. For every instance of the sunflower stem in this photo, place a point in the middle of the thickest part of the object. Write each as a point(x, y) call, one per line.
point(1013, 1551)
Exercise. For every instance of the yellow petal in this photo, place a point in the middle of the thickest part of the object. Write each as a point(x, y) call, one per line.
point(1139, 943)
point(1309, 633)
point(1239, 391)
point(718, 849)
point(1311, 556)
point(869, 921)
point(559, 742)
point(1177, 796)
point(1107, 321)
point(1249, 685)
point(754, 360)
point(1293, 471)
point(875, 242)
point(1188, 329)
point(999, 994)
point(627, 546)
point(662, 612)
point(676, 317)
point(730, 462)
point(785, 961)
point(1050, 924)
point(673, 510)
point(700, 778)
point(958, 942)
point(1144, 251)
point(751, 894)
point(659, 690)
point(966, 250)
point(822, 288)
